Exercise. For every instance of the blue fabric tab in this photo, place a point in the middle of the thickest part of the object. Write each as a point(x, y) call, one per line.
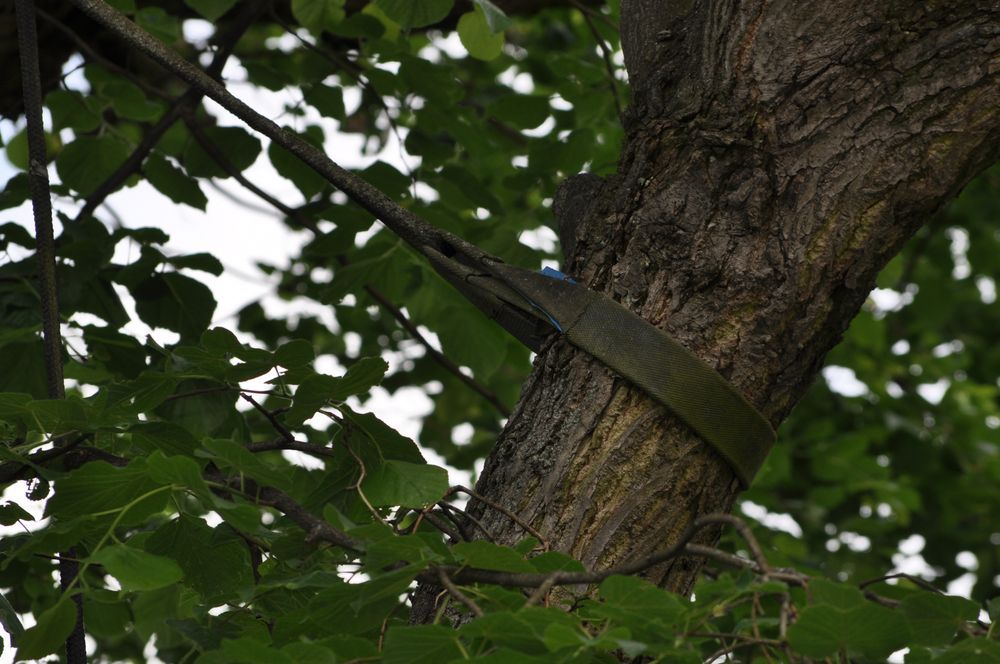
point(553, 273)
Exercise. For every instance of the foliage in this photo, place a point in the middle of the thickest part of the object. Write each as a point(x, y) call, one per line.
point(167, 469)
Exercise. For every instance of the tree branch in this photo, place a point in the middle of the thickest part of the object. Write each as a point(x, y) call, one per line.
point(306, 221)
point(181, 105)
point(41, 203)
point(458, 594)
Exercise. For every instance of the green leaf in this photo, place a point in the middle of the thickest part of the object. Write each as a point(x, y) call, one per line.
point(130, 102)
point(555, 561)
point(478, 37)
point(160, 24)
point(240, 147)
point(24, 368)
point(49, 633)
point(150, 389)
point(317, 390)
point(637, 604)
point(487, 555)
point(521, 111)
point(100, 488)
point(558, 636)
point(407, 484)
point(216, 562)
point(421, 644)
point(326, 99)
point(415, 13)
point(135, 569)
point(317, 15)
point(11, 513)
point(295, 353)
point(874, 631)
point(166, 436)
point(472, 340)
point(178, 470)
point(978, 650)
point(90, 160)
point(212, 10)
point(175, 302)
point(9, 619)
point(71, 110)
point(57, 415)
point(202, 408)
point(173, 183)
point(388, 443)
point(308, 181)
point(495, 17)
point(201, 261)
point(935, 618)
point(244, 461)
point(361, 376)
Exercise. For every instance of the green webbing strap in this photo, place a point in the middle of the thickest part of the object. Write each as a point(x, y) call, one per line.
point(678, 379)
point(532, 305)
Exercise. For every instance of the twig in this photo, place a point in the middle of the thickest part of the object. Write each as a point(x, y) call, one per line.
point(446, 506)
point(503, 510)
point(41, 203)
point(606, 56)
point(189, 99)
point(587, 11)
point(739, 641)
point(292, 445)
point(455, 592)
point(435, 354)
point(541, 591)
point(746, 533)
point(916, 580)
point(305, 221)
point(357, 485)
point(443, 526)
point(94, 56)
point(220, 158)
point(465, 575)
point(276, 424)
point(316, 528)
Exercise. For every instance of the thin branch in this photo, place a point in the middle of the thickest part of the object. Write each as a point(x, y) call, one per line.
point(466, 575)
point(276, 424)
point(541, 591)
point(316, 528)
point(915, 580)
point(96, 57)
point(41, 203)
point(790, 577)
point(443, 526)
point(306, 221)
point(292, 445)
point(220, 158)
point(446, 507)
point(407, 225)
point(189, 99)
point(503, 510)
point(454, 591)
point(606, 56)
point(747, 534)
point(587, 11)
point(435, 354)
point(356, 72)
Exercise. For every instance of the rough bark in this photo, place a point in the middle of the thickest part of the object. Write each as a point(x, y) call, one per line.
point(778, 155)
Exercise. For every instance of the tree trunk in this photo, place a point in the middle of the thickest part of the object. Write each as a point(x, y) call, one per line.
point(778, 154)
